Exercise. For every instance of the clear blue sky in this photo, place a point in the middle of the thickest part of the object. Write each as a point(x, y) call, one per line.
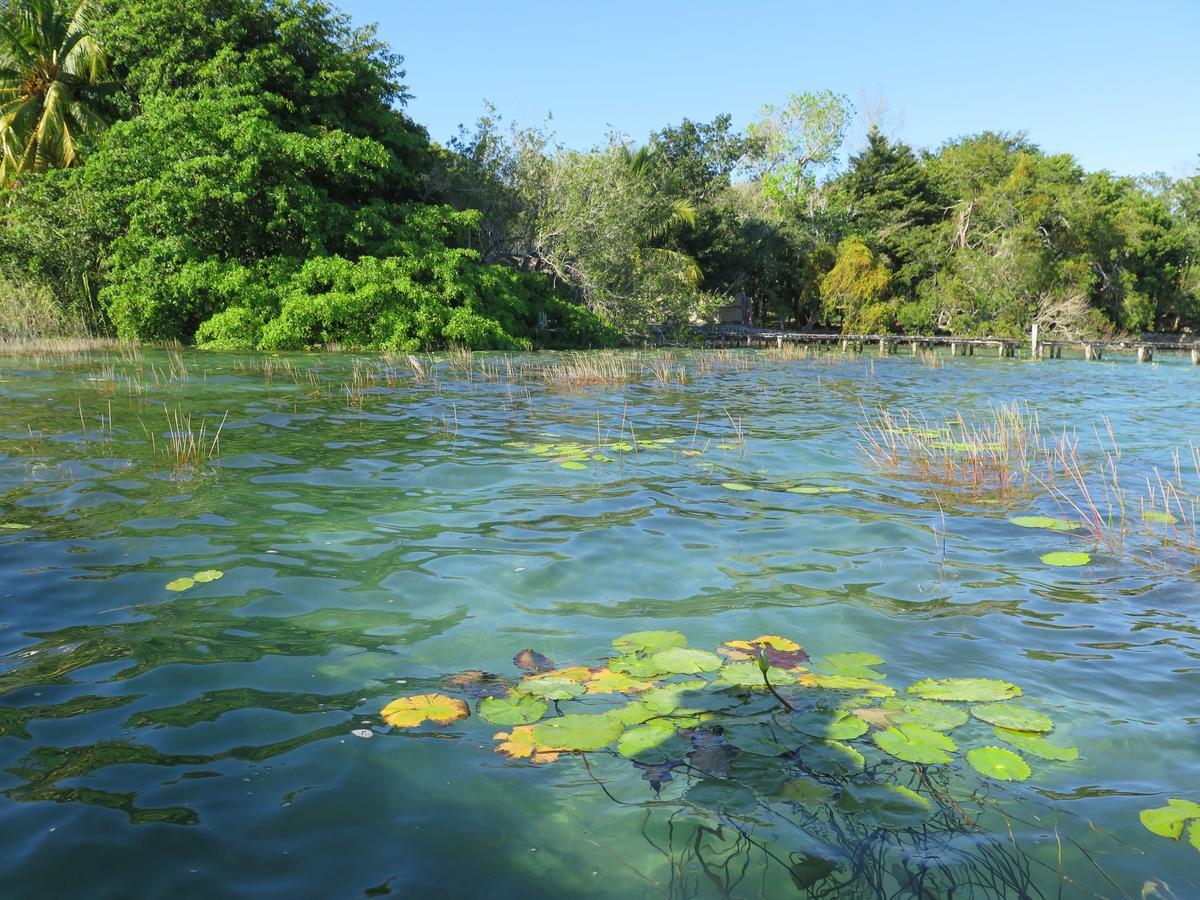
point(1115, 83)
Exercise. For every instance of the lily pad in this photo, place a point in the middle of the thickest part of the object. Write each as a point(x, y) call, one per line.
point(915, 744)
point(207, 576)
point(645, 738)
point(853, 665)
point(1044, 522)
point(532, 661)
point(179, 585)
point(998, 763)
point(577, 732)
point(1036, 745)
point(806, 790)
point(930, 713)
point(669, 697)
point(968, 690)
point(720, 796)
point(748, 674)
point(1168, 821)
point(636, 666)
point(889, 805)
point(780, 651)
point(648, 641)
point(409, 712)
point(13, 526)
point(606, 681)
point(519, 744)
point(736, 486)
point(758, 738)
point(685, 661)
point(850, 683)
point(572, 465)
point(1158, 517)
point(515, 709)
point(1066, 559)
point(834, 724)
point(552, 688)
point(830, 758)
point(1013, 717)
point(633, 714)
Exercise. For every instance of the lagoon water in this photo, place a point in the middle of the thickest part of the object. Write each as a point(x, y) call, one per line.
point(374, 543)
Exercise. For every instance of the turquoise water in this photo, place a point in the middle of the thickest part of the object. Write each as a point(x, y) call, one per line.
point(376, 542)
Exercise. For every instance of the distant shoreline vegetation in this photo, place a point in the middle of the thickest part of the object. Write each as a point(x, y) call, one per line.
point(241, 175)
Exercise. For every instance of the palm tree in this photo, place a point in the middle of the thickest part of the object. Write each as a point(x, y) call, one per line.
point(52, 73)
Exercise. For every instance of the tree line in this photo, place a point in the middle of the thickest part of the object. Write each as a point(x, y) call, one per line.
point(241, 174)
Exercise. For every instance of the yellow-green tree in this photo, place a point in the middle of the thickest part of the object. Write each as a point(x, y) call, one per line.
point(855, 288)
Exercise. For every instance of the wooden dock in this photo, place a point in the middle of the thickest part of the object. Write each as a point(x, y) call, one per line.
point(890, 344)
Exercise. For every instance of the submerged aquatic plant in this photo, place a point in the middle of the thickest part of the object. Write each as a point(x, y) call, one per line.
point(758, 736)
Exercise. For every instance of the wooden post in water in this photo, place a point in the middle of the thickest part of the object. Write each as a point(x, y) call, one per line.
point(913, 346)
point(953, 348)
point(1035, 348)
point(779, 342)
point(1092, 352)
point(1145, 354)
point(1195, 356)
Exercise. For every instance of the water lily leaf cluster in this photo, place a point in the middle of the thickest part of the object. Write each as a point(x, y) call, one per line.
point(179, 585)
point(1170, 821)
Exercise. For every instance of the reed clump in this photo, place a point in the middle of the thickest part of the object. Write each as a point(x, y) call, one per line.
point(1003, 453)
point(187, 446)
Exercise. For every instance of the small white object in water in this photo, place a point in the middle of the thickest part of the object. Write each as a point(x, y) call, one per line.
point(519, 569)
point(363, 733)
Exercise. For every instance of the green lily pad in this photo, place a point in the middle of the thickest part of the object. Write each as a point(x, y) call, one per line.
point(552, 688)
point(1036, 745)
point(644, 738)
point(1159, 517)
point(181, 584)
point(1013, 717)
point(1194, 835)
point(685, 661)
point(850, 683)
point(736, 486)
point(668, 698)
point(515, 709)
point(748, 674)
point(968, 690)
point(813, 491)
point(889, 805)
point(207, 576)
point(930, 713)
point(632, 714)
point(805, 790)
point(13, 526)
point(620, 447)
point(758, 738)
point(572, 465)
point(636, 666)
point(834, 724)
point(852, 665)
point(831, 758)
point(1045, 522)
point(578, 732)
point(998, 763)
point(1066, 559)
point(1167, 821)
point(915, 744)
point(721, 796)
point(648, 641)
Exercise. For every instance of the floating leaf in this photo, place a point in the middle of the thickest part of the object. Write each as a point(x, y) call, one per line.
point(748, 674)
point(1066, 559)
point(719, 795)
point(572, 465)
point(577, 732)
point(578, 674)
point(1045, 522)
point(1036, 745)
point(515, 709)
point(532, 661)
point(1168, 820)
point(633, 714)
point(1013, 717)
point(606, 681)
point(848, 683)
point(620, 447)
point(809, 869)
point(552, 688)
point(889, 805)
point(1194, 835)
point(649, 641)
point(669, 697)
point(930, 713)
point(969, 690)
point(207, 576)
point(685, 661)
point(644, 738)
point(636, 666)
point(806, 790)
point(13, 526)
point(834, 724)
point(830, 758)
point(736, 486)
point(998, 763)
point(915, 744)
point(876, 716)
point(476, 684)
point(759, 738)
point(181, 584)
point(853, 665)
point(519, 744)
point(408, 712)
point(1159, 517)
point(780, 652)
